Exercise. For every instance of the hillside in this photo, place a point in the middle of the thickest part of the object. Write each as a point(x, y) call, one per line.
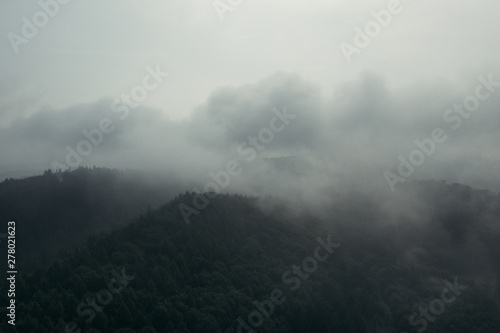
point(239, 255)
point(54, 215)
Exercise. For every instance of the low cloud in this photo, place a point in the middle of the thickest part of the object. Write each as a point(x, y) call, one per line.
point(346, 138)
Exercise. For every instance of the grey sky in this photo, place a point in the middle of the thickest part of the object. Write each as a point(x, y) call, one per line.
point(226, 77)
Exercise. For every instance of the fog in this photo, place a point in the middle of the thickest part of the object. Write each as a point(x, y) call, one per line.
point(181, 88)
point(208, 147)
point(349, 137)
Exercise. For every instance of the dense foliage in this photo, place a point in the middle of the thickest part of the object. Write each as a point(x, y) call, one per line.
point(54, 215)
point(203, 276)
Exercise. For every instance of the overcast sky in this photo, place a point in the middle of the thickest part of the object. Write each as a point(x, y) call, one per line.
point(228, 69)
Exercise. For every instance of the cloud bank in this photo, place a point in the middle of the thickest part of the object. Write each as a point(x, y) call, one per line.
point(348, 137)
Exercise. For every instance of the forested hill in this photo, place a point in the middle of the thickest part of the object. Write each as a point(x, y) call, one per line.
point(239, 268)
point(53, 215)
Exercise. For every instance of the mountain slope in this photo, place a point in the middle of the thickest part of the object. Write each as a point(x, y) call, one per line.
point(51, 215)
point(214, 274)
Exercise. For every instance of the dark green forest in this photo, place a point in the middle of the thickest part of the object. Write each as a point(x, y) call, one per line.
point(56, 215)
point(424, 259)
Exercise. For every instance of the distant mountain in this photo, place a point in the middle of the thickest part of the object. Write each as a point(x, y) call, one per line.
point(53, 215)
point(425, 259)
